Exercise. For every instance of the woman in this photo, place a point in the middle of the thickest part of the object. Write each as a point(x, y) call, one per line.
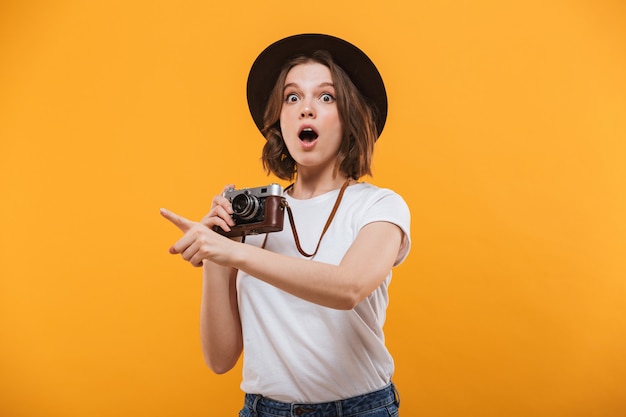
point(307, 308)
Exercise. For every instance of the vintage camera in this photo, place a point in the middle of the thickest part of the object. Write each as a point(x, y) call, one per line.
point(255, 210)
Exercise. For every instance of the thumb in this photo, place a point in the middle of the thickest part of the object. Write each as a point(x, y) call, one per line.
point(179, 221)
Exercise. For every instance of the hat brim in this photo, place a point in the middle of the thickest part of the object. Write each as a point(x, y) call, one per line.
point(352, 60)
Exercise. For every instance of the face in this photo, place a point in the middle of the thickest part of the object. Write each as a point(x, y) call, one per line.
point(309, 119)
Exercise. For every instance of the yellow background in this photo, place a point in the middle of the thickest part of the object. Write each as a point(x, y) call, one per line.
point(506, 136)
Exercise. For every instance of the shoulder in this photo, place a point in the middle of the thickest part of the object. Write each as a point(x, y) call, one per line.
point(369, 194)
point(367, 203)
point(383, 204)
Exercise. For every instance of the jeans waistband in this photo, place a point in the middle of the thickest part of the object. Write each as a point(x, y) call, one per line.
point(350, 406)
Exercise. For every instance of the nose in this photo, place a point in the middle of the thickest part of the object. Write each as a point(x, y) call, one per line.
point(307, 111)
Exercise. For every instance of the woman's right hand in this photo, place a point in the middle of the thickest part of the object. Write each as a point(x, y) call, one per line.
point(221, 212)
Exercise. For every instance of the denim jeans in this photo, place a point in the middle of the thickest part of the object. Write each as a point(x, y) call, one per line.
point(383, 403)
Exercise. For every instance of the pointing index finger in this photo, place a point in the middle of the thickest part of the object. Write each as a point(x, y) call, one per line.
point(179, 221)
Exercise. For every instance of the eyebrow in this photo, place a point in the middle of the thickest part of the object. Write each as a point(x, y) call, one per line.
point(324, 84)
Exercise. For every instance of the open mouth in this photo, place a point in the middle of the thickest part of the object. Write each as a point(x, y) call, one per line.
point(307, 134)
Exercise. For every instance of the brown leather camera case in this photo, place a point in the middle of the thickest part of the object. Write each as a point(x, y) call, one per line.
point(273, 219)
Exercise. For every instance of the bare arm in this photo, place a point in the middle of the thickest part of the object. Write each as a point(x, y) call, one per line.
point(363, 268)
point(220, 325)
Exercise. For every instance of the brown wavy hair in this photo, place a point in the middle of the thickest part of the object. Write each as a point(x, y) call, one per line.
point(357, 118)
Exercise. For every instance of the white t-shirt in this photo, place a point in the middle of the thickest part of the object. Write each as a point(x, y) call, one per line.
point(298, 351)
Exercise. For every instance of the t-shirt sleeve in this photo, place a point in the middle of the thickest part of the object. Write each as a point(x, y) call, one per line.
point(388, 206)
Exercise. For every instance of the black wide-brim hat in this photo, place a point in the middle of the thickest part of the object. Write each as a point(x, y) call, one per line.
point(352, 60)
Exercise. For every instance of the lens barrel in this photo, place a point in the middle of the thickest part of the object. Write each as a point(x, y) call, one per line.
point(245, 206)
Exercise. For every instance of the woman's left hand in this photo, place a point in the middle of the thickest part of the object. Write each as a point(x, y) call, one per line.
point(199, 242)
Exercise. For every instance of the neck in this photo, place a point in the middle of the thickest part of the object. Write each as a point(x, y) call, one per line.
point(307, 187)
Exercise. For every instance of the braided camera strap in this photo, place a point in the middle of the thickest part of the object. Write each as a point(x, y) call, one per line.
point(326, 226)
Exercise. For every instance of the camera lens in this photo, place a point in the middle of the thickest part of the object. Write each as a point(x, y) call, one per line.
point(245, 206)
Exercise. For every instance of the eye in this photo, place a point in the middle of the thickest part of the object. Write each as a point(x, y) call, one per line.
point(291, 98)
point(327, 98)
